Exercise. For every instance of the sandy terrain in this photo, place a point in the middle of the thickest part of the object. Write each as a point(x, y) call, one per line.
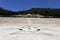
point(27, 28)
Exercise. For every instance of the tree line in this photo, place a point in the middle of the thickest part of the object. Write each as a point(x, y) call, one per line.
point(55, 12)
point(5, 12)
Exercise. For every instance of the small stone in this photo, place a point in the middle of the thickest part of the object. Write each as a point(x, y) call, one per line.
point(20, 29)
point(38, 29)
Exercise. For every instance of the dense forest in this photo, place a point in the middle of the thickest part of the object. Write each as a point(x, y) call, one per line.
point(54, 12)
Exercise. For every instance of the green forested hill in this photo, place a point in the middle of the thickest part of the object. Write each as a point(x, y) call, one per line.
point(41, 11)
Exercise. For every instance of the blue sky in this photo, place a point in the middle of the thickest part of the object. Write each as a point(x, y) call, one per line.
point(16, 5)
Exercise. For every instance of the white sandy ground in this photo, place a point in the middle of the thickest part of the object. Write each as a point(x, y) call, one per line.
point(49, 28)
